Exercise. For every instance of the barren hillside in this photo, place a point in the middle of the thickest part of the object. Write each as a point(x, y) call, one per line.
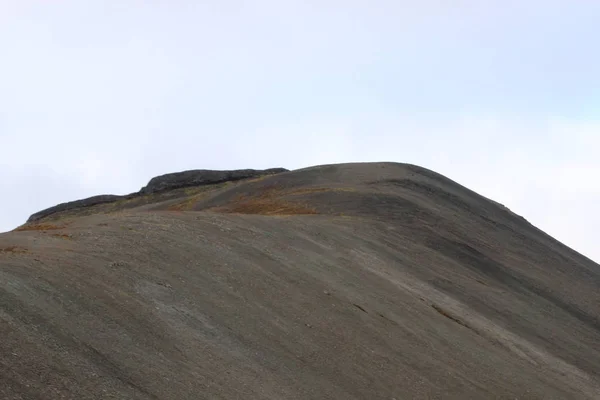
point(351, 281)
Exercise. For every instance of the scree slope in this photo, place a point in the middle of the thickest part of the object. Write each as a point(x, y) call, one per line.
point(350, 281)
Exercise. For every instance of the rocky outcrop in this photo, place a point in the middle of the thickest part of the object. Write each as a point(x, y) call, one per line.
point(91, 201)
point(203, 177)
point(162, 183)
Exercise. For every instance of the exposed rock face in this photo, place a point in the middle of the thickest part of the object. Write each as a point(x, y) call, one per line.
point(90, 201)
point(160, 184)
point(203, 177)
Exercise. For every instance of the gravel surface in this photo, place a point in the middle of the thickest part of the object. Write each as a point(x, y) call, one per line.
point(353, 281)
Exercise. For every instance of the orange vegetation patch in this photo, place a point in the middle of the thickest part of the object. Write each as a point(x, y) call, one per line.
point(62, 236)
point(13, 250)
point(267, 207)
point(319, 190)
point(269, 202)
point(39, 227)
point(185, 205)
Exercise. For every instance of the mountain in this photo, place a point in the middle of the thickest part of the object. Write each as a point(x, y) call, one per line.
point(348, 281)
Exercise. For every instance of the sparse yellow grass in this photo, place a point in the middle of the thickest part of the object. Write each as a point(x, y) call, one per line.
point(257, 179)
point(318, 190)
point(13, 250)
point(195, 190)
point(187, 204)
point(62, 236)
point(268, 202)
point(39, 227)
point(182, 206)
point(267, 207)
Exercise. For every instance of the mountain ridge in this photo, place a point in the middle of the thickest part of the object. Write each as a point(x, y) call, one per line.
point(349, 281)
point(161, 183)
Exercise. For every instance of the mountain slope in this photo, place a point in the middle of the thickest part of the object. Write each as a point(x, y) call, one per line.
point(351, 281)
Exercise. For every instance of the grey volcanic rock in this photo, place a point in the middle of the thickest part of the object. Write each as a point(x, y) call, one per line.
point(90, 201)
point(203, 177)
point(370, 281)
point(161, 183)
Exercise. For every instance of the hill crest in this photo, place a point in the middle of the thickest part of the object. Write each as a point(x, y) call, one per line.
point(353, 281)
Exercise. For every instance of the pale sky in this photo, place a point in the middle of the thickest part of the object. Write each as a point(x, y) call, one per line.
point(502, 96)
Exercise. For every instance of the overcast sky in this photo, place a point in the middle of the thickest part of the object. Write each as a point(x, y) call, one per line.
point(502, 96)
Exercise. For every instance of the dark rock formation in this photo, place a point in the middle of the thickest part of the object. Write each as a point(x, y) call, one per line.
point(90, 201)
point(161, 184)
point(201, 177)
